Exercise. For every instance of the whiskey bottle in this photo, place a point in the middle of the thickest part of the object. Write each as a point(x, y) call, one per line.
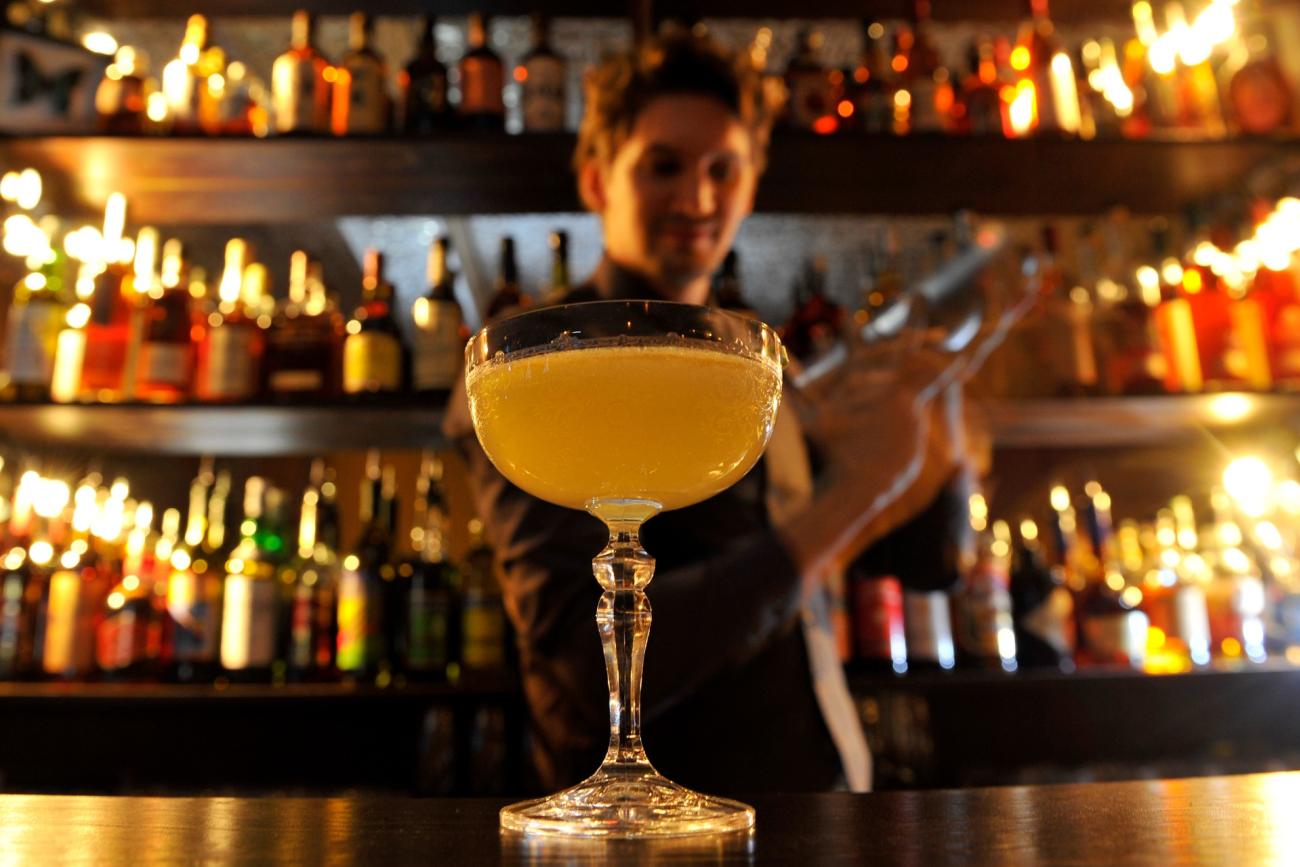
point(423, 86)
point(440, 332)
point(166, 369)
point(508, 297)
point(482, 620)
point(304, 342)
point(482, 80)
point(871, 90)
point(811, 103)
point(194, 589)
point(360, 87)
point(36, 316)
point(300, 92)
point(433, 581)
point(232, 342)
point(561, 284)
point(249, 609)
point(542, 75)
point(366, 569)
point(725, 291)
point(373, 351)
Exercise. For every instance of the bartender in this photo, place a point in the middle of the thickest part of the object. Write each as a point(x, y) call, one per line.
point(743, 691)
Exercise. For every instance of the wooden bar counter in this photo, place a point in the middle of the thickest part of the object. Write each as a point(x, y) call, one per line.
point(1214, 820)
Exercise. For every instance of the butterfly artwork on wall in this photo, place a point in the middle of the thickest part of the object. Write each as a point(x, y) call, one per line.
point(47, 86)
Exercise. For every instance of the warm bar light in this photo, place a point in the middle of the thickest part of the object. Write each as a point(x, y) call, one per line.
point(1065, 93)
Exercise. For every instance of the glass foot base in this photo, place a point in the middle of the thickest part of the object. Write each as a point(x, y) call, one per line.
point(627, 803)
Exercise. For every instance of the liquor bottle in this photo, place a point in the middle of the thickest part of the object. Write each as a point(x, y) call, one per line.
point(879, 640)
point(120, 95)
point(106, 332)
point(20, 596)
point(482, 617)
point(76, 595)
point(1235, 595)
point(360, 86)
point(1125, 330)
point(1112, 626)
point(1065, 329)
point(194, 589)
point(439, 339)
point(431, 609)
point(482, 80)
point(373, 354)
point(423, 86)
point(981, 91)
point(870, 89)
point(185, 78)
point(983, 627)
point(817, 321)
point(166, 367)
point(543, 78)
point(1231, 327)
point(311, 632)
point(922, 79)
point(361, 592)
point(1046, 71)
point(812, 97)
point(300, 91)
point(561, 285)
point(304, 343)
point(1041, 605)
point(1173, 591)
point(36, 315)
point(725, 291)
point(131, 640)
point(508, 296)
point(1174, 321)
point(232, 343)
point(249, 615)
point(1260, 98)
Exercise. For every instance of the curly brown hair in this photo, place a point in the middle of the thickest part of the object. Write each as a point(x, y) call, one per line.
point(674, 63)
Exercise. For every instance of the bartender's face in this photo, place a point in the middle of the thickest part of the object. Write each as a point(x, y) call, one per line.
point(675, 192)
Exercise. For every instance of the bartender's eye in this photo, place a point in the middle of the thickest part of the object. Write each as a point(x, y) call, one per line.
point(722, 169)
point(665, 166)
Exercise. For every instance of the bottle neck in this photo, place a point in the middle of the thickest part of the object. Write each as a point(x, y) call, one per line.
point(302, 32)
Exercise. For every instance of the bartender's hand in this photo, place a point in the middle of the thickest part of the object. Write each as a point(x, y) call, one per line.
point(892, 436)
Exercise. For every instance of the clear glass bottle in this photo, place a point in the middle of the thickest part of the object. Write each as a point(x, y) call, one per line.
point(300, 91)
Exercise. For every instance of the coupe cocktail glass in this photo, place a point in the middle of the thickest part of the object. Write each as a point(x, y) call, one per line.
point(624, 409)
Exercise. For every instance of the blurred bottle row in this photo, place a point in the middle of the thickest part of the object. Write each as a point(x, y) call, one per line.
point(1204, 77)
point(1162, 594)
point(1210, 74)
point(96, 584)
point(202, 92)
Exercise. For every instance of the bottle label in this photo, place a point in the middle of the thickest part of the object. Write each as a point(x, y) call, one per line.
point(878, 616)
point(247, 623)
point(928, 627)
point(429, 93)
point(165, 364)
point(925, 115)
point(301, 621)
point(1118, 637)
point(983, 618)
point(483, 625)
point(428, 630)
point(438, 346)
point(192, 601)
point(1053, 621)
point(296, 381)
point(372, 361)
point(231, 370)
point(482, 81)
point(367, 104)
point(11, 608)
point(33, 334)
point(543, 95)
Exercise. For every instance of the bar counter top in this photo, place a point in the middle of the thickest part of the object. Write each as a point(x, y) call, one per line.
point(1213, 820)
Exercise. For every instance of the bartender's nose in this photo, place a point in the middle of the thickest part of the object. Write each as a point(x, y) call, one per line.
point(694, 194)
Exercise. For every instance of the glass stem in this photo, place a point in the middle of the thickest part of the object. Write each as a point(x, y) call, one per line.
point(623, 618)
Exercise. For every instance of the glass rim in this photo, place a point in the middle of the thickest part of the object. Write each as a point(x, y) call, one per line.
point(767, 336)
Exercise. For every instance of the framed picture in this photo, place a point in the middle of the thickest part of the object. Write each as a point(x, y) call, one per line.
point(47, 86)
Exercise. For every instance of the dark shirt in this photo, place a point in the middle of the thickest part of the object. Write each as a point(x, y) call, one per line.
point(728, 704)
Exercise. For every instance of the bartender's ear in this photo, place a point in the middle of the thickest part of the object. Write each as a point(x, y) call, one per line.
point(591, 185)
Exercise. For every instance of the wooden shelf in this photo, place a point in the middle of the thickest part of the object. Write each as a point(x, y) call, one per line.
point(967, 10)
point(263, 430)
point(177, 181)
point(227, 431)
point(171, 693)
point(1116, 422)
